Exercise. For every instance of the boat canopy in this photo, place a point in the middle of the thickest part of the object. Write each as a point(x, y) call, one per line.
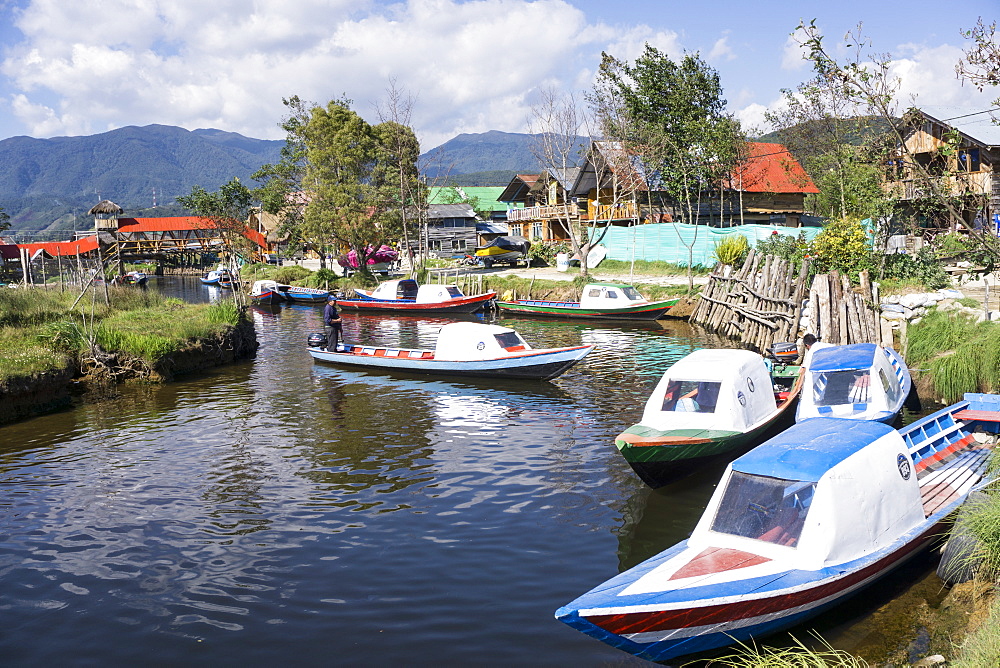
point(723, 389)
point(610, 295)
point(467, 341)
point(844, 358)
point(405, 288)
point(433, 294)
point(833, 489)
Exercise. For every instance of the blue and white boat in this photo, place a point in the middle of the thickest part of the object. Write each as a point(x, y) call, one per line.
point(861, 381)
point(462, 349)
point(303, 295)
point(265, 292)
point(796, 526)
point(218, 275)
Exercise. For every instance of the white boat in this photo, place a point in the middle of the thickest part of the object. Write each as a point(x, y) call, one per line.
point(795, 526)
point(462, 349)
point(707, 406)
point(861, 381)
point(405, 296)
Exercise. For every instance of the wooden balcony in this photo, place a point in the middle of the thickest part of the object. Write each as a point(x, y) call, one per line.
point(539, 213)
point(975, 183)
point(619, 211)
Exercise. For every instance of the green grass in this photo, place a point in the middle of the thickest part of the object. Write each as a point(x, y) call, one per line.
point(155, 333)
point(797, 656)
point(24, 352)
point(650, 268)
point(981, 648)
point(958, 353)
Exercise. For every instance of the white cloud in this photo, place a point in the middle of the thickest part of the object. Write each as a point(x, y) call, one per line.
point(721, 50)
point(793, 55)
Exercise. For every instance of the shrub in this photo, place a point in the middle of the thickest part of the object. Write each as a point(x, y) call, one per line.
point(291, 274)
point(922, 267)
point(843, 245)
point(784, 246)
point(732, 250)
point(544, 252)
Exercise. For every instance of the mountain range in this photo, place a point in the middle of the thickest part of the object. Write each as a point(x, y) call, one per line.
point(48, 185)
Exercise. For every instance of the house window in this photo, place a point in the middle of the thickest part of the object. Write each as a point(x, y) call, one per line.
point(968, 160)
point(434, 244)
point(459, 244)
point(536, 230)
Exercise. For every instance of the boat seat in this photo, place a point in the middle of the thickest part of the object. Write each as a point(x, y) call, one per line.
point(686, 405)
point(982, 416)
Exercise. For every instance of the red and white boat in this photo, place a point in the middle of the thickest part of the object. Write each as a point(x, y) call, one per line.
point(796, 526)
point(405, 296)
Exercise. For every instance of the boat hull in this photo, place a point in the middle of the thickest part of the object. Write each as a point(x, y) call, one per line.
point(463, 305)
point(532, 364)
point(649, 311)
point(267, 297)
point(305, 295)
point(675, 628)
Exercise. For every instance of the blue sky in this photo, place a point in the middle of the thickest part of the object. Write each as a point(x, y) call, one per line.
point(88, 66)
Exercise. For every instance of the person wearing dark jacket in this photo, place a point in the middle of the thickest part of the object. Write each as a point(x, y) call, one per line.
point(332, 324)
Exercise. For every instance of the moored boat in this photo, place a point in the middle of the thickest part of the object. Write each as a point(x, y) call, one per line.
point(265, 292)
point(796, 526)
point(462, 349)
point(706, 406)
point(135, 278)
point(607, 301)
point(218, 275)
point(303, 295)
point(404, 296)
point(505, 249)
point(860, 381)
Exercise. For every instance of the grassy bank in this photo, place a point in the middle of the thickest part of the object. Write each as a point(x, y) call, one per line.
point(40, 330)
point(955, 354)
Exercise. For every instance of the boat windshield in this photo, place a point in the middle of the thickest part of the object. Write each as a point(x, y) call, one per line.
point(763, 508)
point(691, 396)
point(509, 340)
point(454, 292)
point(632, 293)
point(841, 387)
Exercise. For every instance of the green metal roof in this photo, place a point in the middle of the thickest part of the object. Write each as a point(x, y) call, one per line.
point(487, 195)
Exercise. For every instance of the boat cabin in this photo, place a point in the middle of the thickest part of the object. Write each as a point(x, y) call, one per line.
point(402, 289)
point(610, 295)
point(846, 381)
point(722, 389)
point(467, 341)
point(823, 492)
point(433, 294)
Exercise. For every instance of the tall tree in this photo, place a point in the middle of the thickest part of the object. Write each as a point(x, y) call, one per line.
point(4, 220)
point(402, 178)
point(351, 177)
point(557, 123)
point(281, 183)
point(671, 118)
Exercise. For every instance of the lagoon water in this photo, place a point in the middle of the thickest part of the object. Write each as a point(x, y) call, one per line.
point(281, 512)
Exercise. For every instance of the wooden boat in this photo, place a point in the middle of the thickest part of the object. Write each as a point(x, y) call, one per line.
point(463, 349)
point(861, 381)
point(610, 301)
point(216, 276)
point(506, 249)
point(302, 295)
point(404, 296)
point(266, 292)
point(796, 526)
point(706, 406)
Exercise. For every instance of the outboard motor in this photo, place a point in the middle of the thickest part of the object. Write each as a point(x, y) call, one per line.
point(317, 340)
point(785, 352)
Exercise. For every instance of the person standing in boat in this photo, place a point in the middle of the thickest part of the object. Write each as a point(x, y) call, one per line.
point(332, 324)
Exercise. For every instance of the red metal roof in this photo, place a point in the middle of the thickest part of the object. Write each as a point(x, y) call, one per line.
point(772, 169)
point(63, 248)
point(9, 252)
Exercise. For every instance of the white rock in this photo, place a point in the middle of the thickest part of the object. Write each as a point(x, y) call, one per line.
point(890, 299)
point(994, 316)
point(912, 301)
point(951, 293)
point(915, 321)
point(894, 315)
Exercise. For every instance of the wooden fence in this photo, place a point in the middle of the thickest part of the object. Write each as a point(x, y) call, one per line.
point(761, 303)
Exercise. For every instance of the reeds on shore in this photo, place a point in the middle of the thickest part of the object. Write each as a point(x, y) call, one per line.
point(958, 353)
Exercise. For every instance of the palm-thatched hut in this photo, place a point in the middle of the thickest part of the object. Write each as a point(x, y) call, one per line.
point(105, 215)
